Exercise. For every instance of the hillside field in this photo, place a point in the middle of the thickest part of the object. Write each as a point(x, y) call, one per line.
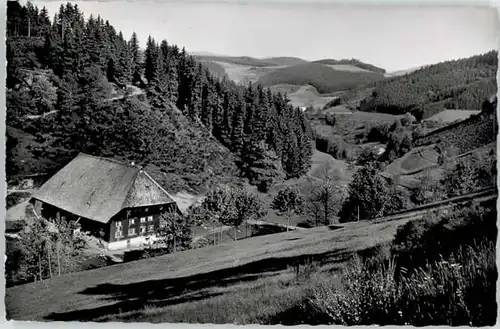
point(449, 116)
point(158, 289)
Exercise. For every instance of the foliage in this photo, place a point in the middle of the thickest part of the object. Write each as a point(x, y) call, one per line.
point(322, 77)
point(440, 234)
point(336, 146)
point(440, 271)
point(174, 234)
point(44, 250)
point(353, 62)
point(457, 84)
point(367, 196)
point(334, 102)
point(287, 202)
point(86, 62)
point(230, 206)
point(326, 198)
point(466, 135)
point(459, 290)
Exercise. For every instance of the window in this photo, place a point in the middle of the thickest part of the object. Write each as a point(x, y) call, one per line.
point(151, 228)
point(131, 221)
point(131, 231)
point(143, 219)
point(118, 234)
point(150, 218)
point(143, 230)
point(118, 224)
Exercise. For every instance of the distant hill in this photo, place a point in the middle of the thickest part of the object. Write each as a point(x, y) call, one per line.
point(457, 84)
point(215, 69)
point(403, 72)
point(353, 62)
point(324, 78)
point(285, 61)
point(240, 60)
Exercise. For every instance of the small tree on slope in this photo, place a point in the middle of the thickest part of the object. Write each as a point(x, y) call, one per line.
point(368, 194)
point(288, 202)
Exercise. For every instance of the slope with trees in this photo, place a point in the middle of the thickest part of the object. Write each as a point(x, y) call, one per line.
point(457, 84)
point(71, 65)
point(324, 78)
point(353, 62)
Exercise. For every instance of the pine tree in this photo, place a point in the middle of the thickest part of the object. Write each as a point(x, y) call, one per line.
point(125, 63)
point(151, 59)
point(238, 134)
point(136, 66)
point(172, 80)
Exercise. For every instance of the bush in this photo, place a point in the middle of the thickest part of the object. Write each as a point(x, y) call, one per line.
point(334, 102)
point(439, 234)
point(458, 290)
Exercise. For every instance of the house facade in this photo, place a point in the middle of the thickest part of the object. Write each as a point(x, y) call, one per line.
point(119, 203)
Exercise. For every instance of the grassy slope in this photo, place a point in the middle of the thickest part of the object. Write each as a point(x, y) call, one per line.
point(208, 273)
point(321, 76)
point(449, 116)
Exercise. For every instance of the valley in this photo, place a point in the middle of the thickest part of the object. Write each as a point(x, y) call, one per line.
point(243, 190)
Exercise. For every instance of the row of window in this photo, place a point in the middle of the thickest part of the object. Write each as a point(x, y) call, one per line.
point(133, 231)
point(132, 221)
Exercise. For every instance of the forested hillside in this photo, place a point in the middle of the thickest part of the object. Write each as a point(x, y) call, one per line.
point(185, 123)
point(321, 76)
point(353, 62)
point(457, 84)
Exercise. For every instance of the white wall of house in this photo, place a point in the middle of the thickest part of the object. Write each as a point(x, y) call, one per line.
point(128, 243)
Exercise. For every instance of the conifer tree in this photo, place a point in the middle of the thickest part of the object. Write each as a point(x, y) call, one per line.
point(151, 60)
point(136, 67)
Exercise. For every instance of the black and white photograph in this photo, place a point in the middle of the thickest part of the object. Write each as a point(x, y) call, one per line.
point(266, 162)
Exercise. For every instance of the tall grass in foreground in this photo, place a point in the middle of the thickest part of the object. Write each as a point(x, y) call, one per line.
point(460, 290)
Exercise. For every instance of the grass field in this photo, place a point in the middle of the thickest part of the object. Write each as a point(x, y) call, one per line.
point(414, 161)
point(244, 73)
point(449, 116)
point(197, 285)
point(308, 96)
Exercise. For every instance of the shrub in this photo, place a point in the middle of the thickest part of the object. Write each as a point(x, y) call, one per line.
point(423, 240)
point(458, 290)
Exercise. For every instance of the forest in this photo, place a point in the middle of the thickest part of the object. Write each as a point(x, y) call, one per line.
point(74, 68)
point(321, 76)
point(457, 84)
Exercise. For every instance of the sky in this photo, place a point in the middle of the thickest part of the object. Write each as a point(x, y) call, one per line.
point(392, 37)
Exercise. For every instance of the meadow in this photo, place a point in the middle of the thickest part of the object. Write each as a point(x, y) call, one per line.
point(199, 275)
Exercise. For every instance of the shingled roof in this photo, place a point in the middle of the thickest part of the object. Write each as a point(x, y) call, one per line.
point(98, 188)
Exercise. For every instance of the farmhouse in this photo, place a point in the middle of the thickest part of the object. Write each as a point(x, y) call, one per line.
point(114, 201)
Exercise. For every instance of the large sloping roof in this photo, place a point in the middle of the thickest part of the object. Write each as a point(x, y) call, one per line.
point(98, 188)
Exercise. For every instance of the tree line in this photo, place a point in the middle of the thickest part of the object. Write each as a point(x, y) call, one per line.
point(456, 84)
point(74, 66)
